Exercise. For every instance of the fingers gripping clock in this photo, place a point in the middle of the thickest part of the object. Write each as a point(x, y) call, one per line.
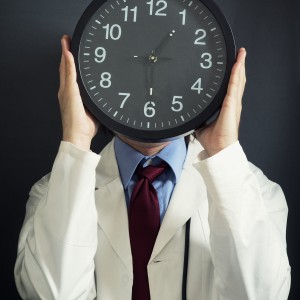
point(184, 48)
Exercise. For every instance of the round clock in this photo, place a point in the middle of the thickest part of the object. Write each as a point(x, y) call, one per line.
point(153, 69)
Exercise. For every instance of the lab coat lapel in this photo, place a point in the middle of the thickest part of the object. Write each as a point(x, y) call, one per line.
point(111, 205)
point(187, 197)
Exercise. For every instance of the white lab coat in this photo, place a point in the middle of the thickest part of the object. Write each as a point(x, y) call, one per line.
point(74, 243)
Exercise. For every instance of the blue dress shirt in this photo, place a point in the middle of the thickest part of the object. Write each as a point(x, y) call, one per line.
point(128, 159)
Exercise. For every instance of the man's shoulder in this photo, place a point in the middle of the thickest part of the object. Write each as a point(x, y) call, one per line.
point(107, 169)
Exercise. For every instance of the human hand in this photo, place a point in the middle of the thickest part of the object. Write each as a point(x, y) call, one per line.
point(224, 131)
point(79, 126)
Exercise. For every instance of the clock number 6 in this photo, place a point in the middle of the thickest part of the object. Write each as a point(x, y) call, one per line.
point(149, 110)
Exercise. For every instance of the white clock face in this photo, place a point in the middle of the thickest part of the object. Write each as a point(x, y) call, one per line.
point(152, 65)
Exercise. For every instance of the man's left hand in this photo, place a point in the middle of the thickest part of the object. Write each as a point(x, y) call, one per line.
point(224, 131)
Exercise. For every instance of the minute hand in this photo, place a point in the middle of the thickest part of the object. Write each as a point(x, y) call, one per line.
point(160, 46)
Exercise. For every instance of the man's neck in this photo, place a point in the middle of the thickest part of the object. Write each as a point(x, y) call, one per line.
point(147, 149)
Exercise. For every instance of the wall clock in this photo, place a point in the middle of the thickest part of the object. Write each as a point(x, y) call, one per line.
point(153, 69)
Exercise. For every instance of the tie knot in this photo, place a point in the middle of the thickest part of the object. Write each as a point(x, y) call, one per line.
point(151, 172)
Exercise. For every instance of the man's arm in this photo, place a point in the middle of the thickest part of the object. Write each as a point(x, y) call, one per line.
point(247, 212)
point(247, 220)
point(58, 240)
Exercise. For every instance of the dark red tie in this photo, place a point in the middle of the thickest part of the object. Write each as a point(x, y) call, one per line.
point(144, 223)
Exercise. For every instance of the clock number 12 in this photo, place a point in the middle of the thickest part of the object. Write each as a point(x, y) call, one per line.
point(158, 12)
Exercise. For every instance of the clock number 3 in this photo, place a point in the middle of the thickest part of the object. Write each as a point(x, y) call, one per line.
point(207, 59)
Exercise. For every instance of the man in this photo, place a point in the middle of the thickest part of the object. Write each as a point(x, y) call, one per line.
point(76, 243)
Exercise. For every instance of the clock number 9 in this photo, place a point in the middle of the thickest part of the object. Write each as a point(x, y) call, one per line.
point(149, 110)
point(164, 5)
point(114, 31)
point(208, 59)
point(102, 56)
point(134, 10)
point(105, 81)
point(178, 103)
point(201, 37)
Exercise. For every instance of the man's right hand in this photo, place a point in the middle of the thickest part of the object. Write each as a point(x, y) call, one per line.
point(79, 126)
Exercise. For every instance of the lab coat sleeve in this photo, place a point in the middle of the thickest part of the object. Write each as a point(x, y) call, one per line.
point(58, 239)
point(247, 220)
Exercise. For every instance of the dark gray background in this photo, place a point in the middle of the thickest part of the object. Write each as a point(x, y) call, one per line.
point(30, 34)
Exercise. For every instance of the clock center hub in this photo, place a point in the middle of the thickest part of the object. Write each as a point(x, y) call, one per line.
point(153, 58)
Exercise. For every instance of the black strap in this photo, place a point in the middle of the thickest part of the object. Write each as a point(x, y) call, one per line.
point(186, 258)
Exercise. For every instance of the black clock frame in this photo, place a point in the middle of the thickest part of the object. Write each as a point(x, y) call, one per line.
point(203, 119)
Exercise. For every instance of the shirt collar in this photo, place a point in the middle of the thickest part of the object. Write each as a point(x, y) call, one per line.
point(174, 155)
point(128, 158)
